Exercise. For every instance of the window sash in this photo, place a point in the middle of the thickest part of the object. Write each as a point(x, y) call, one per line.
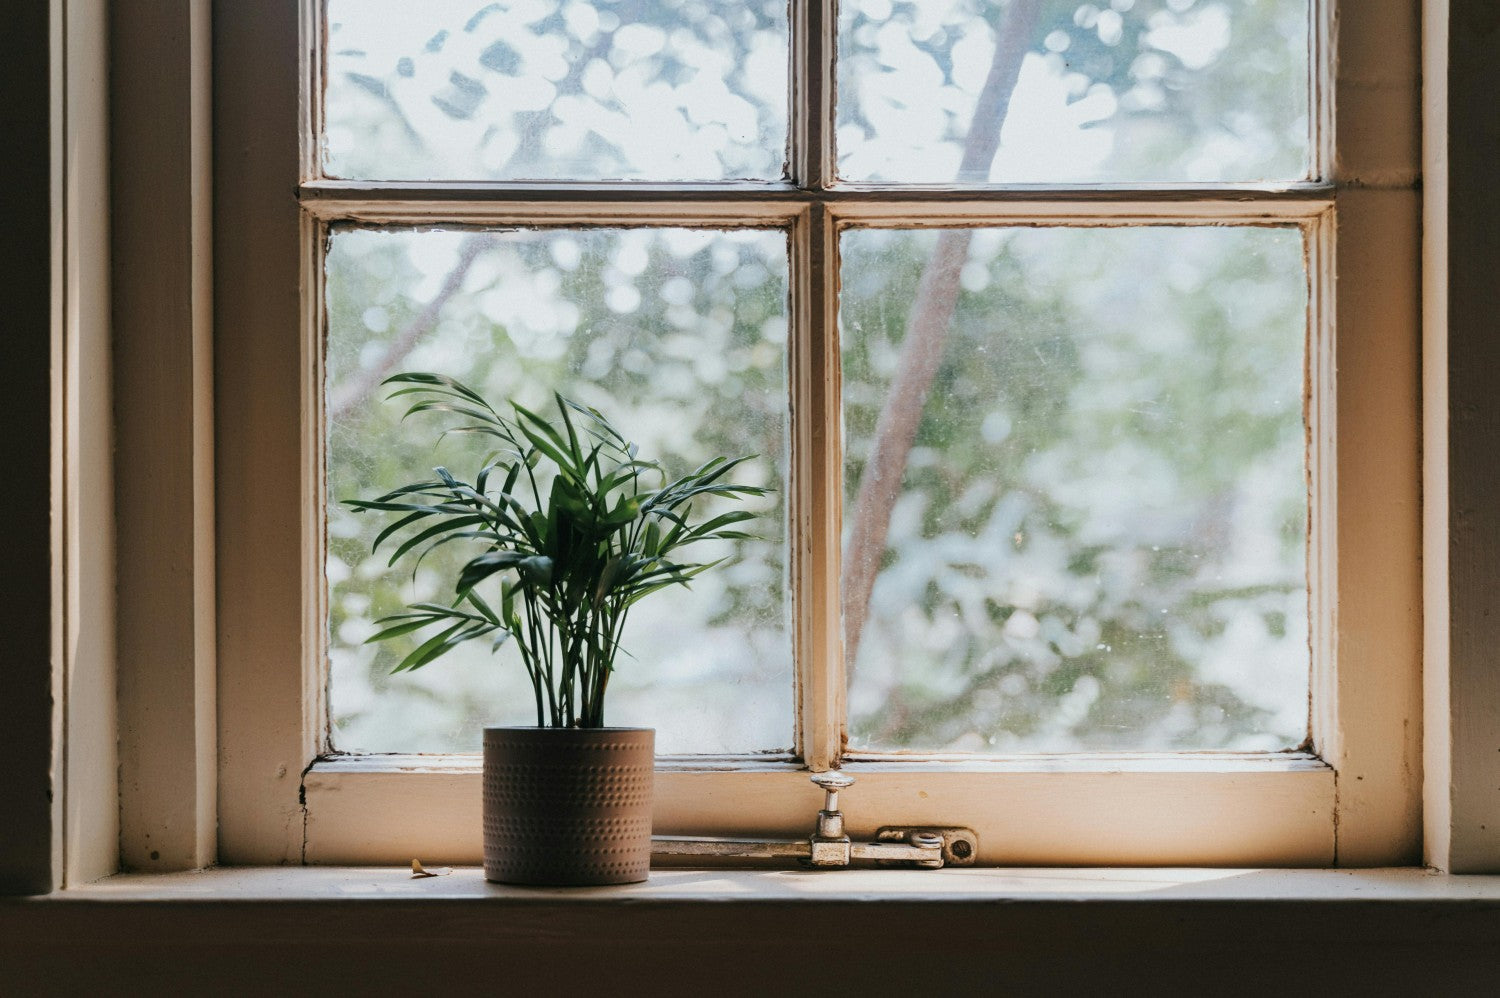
point(1181, 808)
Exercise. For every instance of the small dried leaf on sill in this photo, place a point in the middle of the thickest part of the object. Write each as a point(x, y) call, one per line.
point(418, 871)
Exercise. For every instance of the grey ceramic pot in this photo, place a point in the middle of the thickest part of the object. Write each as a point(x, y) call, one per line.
point(568, 806)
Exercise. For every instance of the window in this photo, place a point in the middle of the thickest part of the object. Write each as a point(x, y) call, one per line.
point(1085, 337)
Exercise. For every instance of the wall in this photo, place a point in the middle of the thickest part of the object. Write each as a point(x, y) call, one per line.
point(30, 850)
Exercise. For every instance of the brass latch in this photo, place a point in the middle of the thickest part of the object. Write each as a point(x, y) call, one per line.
point(829, 846)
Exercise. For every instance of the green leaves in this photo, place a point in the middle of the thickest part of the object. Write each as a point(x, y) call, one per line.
point(462, 626)
point(533, 570)
point(574, 535)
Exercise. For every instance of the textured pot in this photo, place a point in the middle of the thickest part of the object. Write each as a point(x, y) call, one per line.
point(568, 806)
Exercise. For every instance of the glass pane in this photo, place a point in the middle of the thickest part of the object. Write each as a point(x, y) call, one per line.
point(1058, 91)
point(1075, 473)
point(679, 336)
point(555, 90)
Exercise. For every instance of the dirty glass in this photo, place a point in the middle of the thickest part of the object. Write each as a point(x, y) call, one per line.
point(555, 90)
point(1060, 91)
point(1076, 510)
point(679, 336)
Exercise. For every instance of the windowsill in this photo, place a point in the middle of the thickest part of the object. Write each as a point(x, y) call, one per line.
point(675, 886)
point(306, 930)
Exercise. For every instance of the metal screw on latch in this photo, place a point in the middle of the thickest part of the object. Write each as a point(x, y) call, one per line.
point(932, 841)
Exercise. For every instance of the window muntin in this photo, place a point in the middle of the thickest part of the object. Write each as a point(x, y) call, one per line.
point(1096, 537)
point(680, 335)
point(555, 90)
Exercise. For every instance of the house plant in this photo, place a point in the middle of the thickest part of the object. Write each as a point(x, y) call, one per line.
point(571, 527)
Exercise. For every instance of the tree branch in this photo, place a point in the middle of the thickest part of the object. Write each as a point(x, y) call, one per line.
point(926, 336)
point(421, 324)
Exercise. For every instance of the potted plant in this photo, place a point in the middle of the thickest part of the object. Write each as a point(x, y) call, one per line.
point(570, 528)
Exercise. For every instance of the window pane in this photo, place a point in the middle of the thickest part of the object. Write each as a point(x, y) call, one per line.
point(1113, 90)
point(677, 335)
point(555, 90)
point(1085, 513)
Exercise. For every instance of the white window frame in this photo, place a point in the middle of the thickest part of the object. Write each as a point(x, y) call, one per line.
point(1354, 799)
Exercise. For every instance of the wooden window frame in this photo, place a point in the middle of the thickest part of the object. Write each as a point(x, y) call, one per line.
point(1353, 800)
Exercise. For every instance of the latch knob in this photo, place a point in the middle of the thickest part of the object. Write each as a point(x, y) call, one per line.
point(831, 819)
point(830, 846)
point(831, 783)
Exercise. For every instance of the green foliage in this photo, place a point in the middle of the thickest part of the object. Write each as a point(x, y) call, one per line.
point(574, 535)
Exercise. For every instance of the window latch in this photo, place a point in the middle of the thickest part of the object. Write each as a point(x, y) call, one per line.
point(830, 846)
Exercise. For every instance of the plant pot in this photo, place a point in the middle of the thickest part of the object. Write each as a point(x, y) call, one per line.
point(568, 806)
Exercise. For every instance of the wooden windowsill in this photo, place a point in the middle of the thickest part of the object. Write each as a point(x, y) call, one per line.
point(925, 887)
point(375, 930)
